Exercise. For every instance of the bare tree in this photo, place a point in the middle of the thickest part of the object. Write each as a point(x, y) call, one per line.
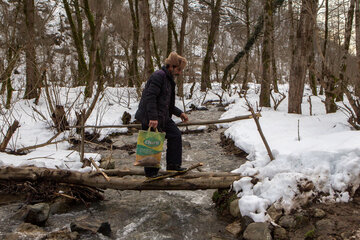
point(327, 80)
point(348, 26)
point(94, 58)
point(32, 89)
point(272, 50)
point(77, 36)
point(301, 54)
point(214, 6)
point(145, 12)
point(266, 58)
point(169, 12)
point(250, 41)
point(180, 40)
point(133, 68)
point(357, 30)
point(244, 85)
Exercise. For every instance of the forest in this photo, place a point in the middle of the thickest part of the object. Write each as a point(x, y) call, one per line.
point(45, 44)
point(72, 73)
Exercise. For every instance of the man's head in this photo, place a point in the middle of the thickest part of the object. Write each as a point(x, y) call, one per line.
point(175, 63)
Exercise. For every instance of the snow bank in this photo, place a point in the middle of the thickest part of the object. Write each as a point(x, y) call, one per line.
point(321, 149)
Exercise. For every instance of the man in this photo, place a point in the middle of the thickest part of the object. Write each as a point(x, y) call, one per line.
point(156, 107)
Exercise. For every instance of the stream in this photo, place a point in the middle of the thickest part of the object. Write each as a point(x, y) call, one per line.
point(159, 215)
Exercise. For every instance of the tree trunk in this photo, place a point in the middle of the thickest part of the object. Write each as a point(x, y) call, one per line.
point(77, 35)
point(133, 68)
point(326, 36)
point(32, 89)
point(94, 60)
point(327, 81)
point(169, 13)
point(244, 86)
point(91, 180)
point(156, 52)
point(5, 78)
point(180, 47)
point(342, 77)
point(291, 30)
point(144, 6)
point(214, 28)
point(2, 76)
point(311, 61)
point(273, 71)
point(301, 54)
point(265, 57)
point(357, 30)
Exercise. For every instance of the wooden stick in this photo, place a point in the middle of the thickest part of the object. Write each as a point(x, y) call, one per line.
point(67, 196)
point(39, 145)
point(82, 144)
point(38, 112)
point(140, 172)
point(260, 130)
point(179, 124)
point(8, 135)
point(98, 169)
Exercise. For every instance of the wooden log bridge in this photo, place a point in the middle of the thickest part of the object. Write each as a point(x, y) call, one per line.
point(120, 179)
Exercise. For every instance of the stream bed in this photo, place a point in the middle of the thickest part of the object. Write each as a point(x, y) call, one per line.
point(159, 215)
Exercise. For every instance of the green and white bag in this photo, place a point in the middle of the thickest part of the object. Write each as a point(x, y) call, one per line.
point(149, 148)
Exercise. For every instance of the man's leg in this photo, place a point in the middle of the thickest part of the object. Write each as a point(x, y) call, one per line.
point(149, 171)
point(174, 146)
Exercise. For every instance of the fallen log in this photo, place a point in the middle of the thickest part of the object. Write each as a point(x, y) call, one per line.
point(88, 179)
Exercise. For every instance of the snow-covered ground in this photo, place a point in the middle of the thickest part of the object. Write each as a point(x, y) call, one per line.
point(321, 148)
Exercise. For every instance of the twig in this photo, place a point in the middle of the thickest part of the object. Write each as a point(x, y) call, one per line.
point(277, 101)
point(299, 130)
point(310, 105)
point(38, 112)
point(52, 138)
point(47, 157)
point(67, 196)
point(98, 169)
point(260, 130)
point(39, 145)
point(70, 153)
point(82, 119)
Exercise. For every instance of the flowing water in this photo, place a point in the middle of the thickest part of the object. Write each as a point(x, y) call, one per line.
point(153, 214)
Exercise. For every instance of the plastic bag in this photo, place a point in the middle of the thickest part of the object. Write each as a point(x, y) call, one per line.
point(149, 148)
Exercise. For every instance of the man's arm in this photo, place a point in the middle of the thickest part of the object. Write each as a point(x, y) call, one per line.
point(153, 91)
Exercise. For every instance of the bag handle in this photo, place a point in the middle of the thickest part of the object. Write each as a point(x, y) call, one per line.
point(156, 130)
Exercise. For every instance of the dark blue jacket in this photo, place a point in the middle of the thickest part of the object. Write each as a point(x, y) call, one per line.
point(158, 99)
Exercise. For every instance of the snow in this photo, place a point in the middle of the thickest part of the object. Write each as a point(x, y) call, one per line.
point(319, 149)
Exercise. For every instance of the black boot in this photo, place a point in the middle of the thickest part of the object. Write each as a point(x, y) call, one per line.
point(151, 172)
point(175, 168)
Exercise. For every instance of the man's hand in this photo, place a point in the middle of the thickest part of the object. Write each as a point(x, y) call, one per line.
point(184, 117)
point(153, 123)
